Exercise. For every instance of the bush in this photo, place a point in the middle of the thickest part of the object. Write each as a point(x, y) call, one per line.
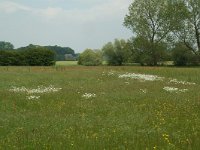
point(90, 58)
point(39, 57)
point(116, 53)
point(182, 56)
point(29, 57)
point(148, 53)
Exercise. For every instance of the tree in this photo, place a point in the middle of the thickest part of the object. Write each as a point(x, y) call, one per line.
point(11, 58)
point(61, 52)
point(39, 56)
point(6, 46)
point(90, 58)
point(29, 57)
point(116, 53)
point(183, 56)
point(143, 55)
point(189, 27)
point(150, 22)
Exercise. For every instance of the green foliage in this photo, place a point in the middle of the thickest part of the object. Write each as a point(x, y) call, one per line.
point(183, 56)
point(147, 53)
point(11, 58)
point(6, 46)
point(189, 27)
point(27, 57)
point(116, 53)
point(61, 52)
point(90, 58)
point(149, 20)
point(39, 57)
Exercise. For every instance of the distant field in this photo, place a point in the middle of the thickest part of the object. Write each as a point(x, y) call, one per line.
point(77, 107)
point(70, 63)
point(66, 63)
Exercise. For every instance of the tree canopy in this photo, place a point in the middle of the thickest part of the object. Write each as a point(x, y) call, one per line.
point(6, 46)
point(158, 25)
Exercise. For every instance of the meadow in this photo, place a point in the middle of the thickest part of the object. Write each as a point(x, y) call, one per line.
point(118, 108)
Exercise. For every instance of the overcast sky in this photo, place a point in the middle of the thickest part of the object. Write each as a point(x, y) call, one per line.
point(79, 24)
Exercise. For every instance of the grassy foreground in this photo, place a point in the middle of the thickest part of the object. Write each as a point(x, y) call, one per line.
point(123, 114)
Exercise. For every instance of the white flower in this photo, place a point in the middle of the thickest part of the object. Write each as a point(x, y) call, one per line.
point(127, 83)
point(111, 73)
point(143, 91)
point(143, 77)
point(173, 89)
point(38, 90)
point(181, 82)
point(89, 95)
point(170, 89)
point(32, 97)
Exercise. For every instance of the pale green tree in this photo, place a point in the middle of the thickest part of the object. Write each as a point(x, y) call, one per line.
point(152, 21)
point(189, 27)
point(116, 53)
point(90, 58)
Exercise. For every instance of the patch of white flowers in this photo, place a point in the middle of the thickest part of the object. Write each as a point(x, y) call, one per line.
point(111, 73)
point(175, 81)
point(143, 91)
point(89, 95)
point(38, 90)
point(32, 97)
point(142, 77)
point(174, 89)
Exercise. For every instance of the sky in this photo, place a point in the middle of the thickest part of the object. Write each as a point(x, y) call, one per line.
point(78, 24)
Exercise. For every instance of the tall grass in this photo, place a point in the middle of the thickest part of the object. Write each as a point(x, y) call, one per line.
point(121, 116)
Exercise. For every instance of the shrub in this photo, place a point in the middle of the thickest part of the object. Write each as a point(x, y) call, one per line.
point(39, 57)
point(148, 53)
point(90, 58)
point(116, 53)
point(182, 56)
point(29, 57)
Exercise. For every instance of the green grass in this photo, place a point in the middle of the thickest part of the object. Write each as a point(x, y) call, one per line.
point(66, 63)
point(119, 117)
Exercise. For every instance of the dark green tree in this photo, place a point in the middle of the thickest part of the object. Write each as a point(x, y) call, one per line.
point(183, 56)
point(39, 56)
point(6, 46)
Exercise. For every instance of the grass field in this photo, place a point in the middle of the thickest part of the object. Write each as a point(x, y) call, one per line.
point(78, 107)
point(66, 63)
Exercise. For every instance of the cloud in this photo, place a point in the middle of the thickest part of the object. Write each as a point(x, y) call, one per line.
point(99, 10)
point(11, 7)
point(79, 24)
point(109, 9)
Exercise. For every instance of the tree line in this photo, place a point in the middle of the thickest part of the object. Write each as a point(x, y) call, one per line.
point(33, 55)
point(163, 30)
point(27, 57)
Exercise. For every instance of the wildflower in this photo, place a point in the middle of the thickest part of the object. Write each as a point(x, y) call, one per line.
point(38, 90)
point(143, 91)
point(127, 83)
point(32, 97)
point(142, 77)
point(111, 73)
point(175, 81)
point(89, 95)
point(173, 89)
